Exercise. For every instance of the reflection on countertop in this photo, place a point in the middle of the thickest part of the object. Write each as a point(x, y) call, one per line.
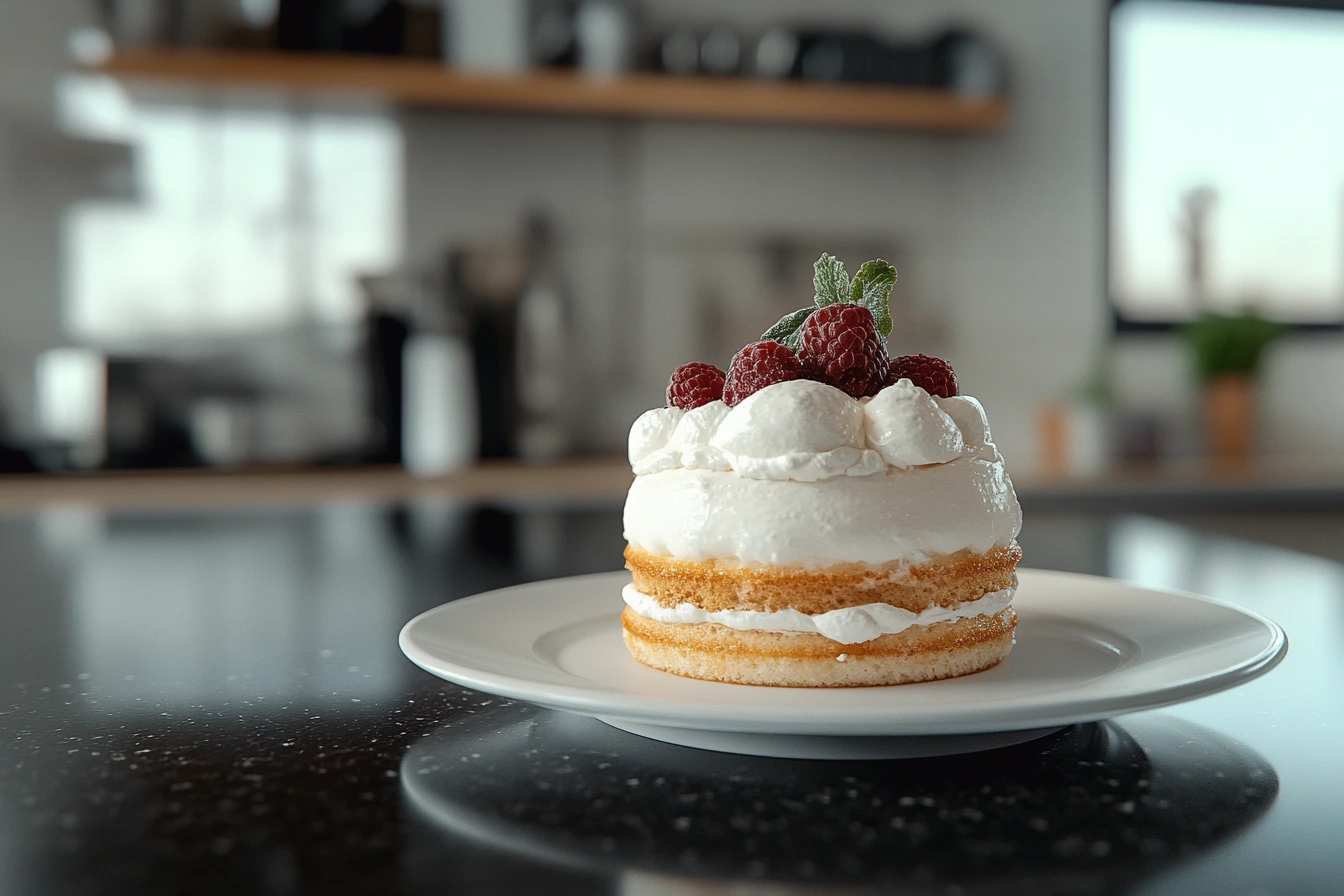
point(1091, 808)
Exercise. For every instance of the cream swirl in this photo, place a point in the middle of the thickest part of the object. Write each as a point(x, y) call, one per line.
point(648, 438)
point(908, 429)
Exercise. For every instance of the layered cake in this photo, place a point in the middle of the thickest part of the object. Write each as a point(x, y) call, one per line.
point(820, 515)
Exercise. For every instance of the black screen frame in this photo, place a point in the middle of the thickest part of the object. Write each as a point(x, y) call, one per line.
point(1121, 323)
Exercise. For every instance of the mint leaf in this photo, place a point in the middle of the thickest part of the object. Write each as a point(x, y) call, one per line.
point(789, 330)
point(830, 281)
point(872, 290)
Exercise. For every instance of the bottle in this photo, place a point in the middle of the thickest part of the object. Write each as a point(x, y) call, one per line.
point(542, 335)
point(440, 422)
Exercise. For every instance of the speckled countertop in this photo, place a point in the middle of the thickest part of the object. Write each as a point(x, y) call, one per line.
point(199, 702)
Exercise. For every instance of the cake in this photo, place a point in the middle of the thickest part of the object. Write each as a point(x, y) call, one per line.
point(820, 515)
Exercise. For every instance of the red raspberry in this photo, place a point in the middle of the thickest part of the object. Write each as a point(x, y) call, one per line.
point(840, 347)
point(694, 384)
point(933, 375)
point(759, 365)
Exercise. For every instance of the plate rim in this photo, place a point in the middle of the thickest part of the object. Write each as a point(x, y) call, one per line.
point(694, 713)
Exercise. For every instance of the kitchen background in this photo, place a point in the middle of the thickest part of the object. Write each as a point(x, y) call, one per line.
point(244, 233)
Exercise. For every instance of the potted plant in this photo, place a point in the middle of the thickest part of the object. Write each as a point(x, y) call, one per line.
point(1074, 430)
point(1227, 350)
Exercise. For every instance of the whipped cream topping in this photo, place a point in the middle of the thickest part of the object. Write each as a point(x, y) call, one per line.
point(851, 625)
point(802, 474)
point(807, 431)
point(968, 415)
point(797, 416)
point(698, 426)
point(650, 433)
point(799, 430)
point(906, 426)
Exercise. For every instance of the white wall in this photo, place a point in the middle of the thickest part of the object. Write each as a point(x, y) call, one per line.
point(32, 54)
point(1002, 233)
point(1029, 211)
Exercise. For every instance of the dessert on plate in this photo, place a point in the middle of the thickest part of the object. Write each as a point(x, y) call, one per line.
point(820, 515)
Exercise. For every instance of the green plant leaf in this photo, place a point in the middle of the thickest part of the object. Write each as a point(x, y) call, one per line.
point(1235, 343)
point(830, 281)
point(789, 330)
point(872, 290)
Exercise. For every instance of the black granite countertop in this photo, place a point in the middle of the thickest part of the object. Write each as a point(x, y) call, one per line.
point(214, 702)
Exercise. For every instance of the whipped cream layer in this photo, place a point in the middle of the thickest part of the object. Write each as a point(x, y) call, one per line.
point(896, 515)
point(802, 474)
point(851, 625)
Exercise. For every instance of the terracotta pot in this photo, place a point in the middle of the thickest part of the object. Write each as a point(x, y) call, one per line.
point(1229, 416)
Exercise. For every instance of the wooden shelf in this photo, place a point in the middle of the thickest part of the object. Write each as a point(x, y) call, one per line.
point(642, 96)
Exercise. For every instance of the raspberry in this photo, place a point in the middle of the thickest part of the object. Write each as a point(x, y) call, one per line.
point(694, 384)
point(840, 347)
point(759, 365)
point(933, 375)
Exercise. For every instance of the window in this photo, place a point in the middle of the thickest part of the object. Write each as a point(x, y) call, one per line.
point(1226, 160)
point(248, 218)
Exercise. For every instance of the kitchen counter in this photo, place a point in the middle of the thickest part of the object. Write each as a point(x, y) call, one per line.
point(576, 480)
point(212, 700)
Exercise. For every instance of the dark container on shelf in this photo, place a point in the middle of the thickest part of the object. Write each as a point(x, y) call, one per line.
point(310, 26)
point(968, 64)
point(385, 349)
point(552, 40)
point(858, 57)
point(382, 33)
point(490, 313)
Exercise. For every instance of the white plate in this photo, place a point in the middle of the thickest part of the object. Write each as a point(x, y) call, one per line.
point(1088, 648)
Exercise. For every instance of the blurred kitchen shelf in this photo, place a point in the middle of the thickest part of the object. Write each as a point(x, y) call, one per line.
point(1290, 483)
point(641, 95)
point(1303, 483)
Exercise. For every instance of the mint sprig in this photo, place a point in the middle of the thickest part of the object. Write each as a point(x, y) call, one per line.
point(830, 281)
point(789, 330)
point(871, 289)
